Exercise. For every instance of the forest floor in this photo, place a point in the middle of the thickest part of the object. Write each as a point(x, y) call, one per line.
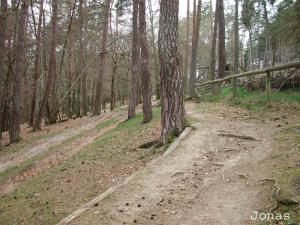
point(44, 149)
point(220, 173)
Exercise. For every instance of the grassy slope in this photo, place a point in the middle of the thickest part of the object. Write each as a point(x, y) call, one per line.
point(255, 100)
point(29, 162)
point(51, 195)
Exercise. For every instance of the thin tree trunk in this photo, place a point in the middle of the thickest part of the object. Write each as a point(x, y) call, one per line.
point(25, 103)
point(113, 91)
point(134, 61)
point(214, 43)
point(236, 37)
point(145, 74)
point(211, 21)
point(102, 59)
point(250, 50)
point(114, 66)
point(211, 32)
point(69, 78)
point(37, 66)
point(51, 72)
point(3, 28)
point(195, 43)
point(157, 80)
point(15, 115)
point(221, 44)
point(172, 113)
point(267, 33)
point(187, 48)
point(82, 60)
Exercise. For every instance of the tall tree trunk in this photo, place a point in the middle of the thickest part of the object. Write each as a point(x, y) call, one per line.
point(145, 74)
point(102, 59)
point(52, 101)
point(51, 71)
point(3, 28)
point(115, 65)
point(250, 50)
point(82, 60)
point(113, 86)
point(172, 113)
point(267, 33)
point(195, 43)
point(15, 115)
point(214, 43)
point(211, 21)
point(37, 65)
point(25, 97)
point(211, 18)
point(69, 77)
point(134, 61)
point(236, 37)
point(154, 53)
point(221, 44)
point(187, 48)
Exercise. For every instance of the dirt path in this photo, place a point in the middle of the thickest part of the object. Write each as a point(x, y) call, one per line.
point(212, 177)
point(47, 142)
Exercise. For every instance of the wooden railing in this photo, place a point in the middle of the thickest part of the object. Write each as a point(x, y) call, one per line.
point(266, 71)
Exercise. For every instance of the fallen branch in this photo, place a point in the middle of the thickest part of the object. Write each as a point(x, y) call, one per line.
point(216, 163)
point(238, 136)
point(231, 150)
point(290, 76)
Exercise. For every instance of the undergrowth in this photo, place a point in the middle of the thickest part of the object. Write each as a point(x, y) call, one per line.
point(255, 100)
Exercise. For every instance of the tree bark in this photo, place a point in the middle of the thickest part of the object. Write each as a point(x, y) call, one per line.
point(113, 84)
point(155, 57)
point(145, 74)
point(195, 43)
point(236, 37)
point(214, 43)
point(82, 60)
point(15, 115)
point(102, 59)
point(51, 71)
point(114, 65)
point(221, 44)
point(134, 61)
point(37, 65)
point(250, 50)
point(187, 47)
point(172, 112)
point(267, 33)
point(3, 29)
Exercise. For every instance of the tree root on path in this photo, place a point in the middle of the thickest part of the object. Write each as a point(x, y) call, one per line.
point(215, 164)
point(238, 136)
point(243, 176)
point(275, 193)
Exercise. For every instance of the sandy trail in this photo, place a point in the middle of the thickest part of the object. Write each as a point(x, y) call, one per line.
point(210, 178)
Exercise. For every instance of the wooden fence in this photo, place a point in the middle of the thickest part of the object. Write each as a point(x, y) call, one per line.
point(209, 85)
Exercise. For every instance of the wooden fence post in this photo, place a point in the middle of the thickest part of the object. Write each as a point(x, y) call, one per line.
point(268, 85)
point(234, 87)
